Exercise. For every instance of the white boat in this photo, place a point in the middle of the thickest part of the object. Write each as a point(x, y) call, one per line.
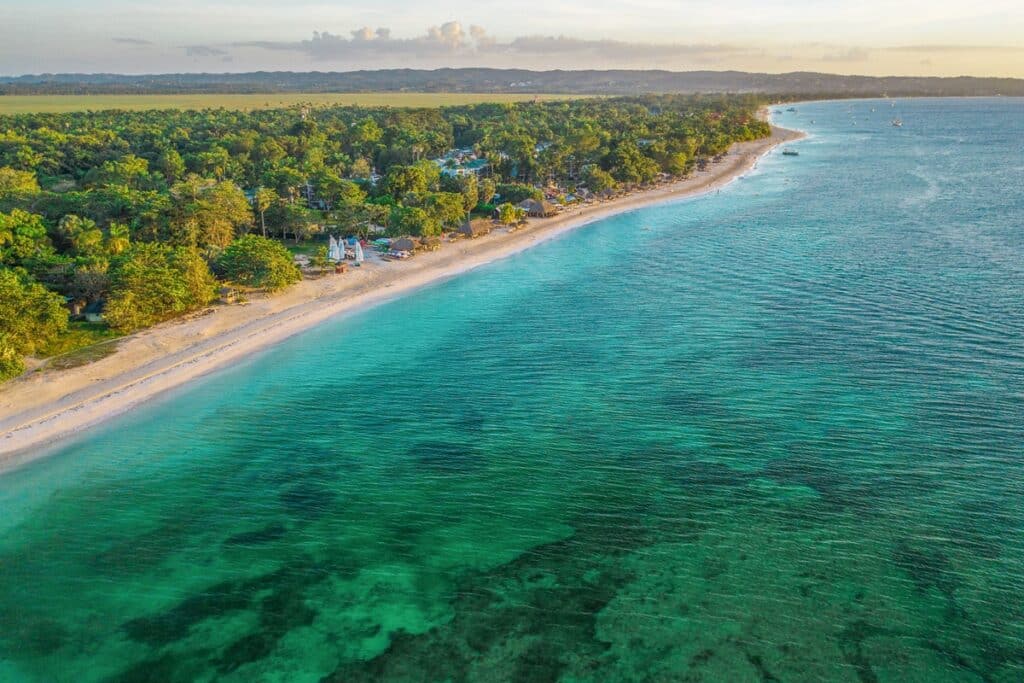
point(897, 123)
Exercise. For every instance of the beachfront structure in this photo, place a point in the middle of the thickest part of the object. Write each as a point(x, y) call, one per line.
point(461, 162)
point(538, 209)
point(403, 244)
point(474, 228)
point(94, 312)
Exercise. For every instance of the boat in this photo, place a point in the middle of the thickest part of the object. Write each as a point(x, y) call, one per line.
point(897, 123)
point(791, 109)
point(790, 153)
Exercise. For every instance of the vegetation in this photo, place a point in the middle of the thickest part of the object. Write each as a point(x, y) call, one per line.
point(30, 316)
point(382, 82)
point(140, 209)
point(154, 282)
point(65, 103)
point(254, 261)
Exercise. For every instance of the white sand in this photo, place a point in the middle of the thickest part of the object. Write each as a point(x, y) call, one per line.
point(43, 407)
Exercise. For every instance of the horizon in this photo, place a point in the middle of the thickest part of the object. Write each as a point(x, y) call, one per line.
point(869, 38)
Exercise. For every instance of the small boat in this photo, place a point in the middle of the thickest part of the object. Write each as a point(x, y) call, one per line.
point(897, 123)
point(791, 109)
point(790, 153)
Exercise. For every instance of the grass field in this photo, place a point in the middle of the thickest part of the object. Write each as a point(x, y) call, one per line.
point(29, 104)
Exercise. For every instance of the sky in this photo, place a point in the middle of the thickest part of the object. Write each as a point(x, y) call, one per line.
point(870, 37)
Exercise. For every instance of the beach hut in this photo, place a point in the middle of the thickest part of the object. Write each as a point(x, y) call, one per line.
point(538, 209)
point(474, 228)
point(403, 244)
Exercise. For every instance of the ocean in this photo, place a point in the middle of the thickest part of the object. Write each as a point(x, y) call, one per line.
point(774, 433)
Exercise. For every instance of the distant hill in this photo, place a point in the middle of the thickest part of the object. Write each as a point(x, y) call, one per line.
point(618, 82)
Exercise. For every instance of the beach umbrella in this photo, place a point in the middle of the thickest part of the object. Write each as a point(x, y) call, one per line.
point(359, 253)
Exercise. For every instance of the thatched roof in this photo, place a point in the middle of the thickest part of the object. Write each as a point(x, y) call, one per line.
point(403, 244)
point(538, 209)
point(474, 228)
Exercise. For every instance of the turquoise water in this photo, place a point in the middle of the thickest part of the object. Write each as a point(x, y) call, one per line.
point(771, 434)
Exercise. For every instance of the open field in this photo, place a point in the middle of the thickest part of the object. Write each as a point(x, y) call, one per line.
point(29, 104)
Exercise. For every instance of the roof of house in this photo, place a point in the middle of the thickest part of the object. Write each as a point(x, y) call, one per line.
point(96, 307)
point(542, 207)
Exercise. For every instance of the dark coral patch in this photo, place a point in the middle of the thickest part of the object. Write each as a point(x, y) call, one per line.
point(266, 534)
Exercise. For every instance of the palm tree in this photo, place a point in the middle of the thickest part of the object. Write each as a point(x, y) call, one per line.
point(118, 238)
point(263, 200)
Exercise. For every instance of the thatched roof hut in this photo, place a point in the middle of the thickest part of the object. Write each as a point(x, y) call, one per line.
point(474, 228)
point(403, 244)
point(538, 209)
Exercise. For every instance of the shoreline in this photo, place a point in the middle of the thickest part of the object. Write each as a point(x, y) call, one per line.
point(35, 414)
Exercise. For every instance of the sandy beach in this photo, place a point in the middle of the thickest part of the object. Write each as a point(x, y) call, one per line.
point(41, 408)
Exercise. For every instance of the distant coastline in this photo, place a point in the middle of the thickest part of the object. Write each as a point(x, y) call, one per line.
point(42, 408)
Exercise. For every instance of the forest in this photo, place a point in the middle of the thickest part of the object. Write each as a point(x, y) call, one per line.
point(149, 212)
point(796, 85)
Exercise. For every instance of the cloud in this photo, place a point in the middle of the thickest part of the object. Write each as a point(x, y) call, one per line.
point(851, 54)
point(451, 39)
point(132, 41)
point(204, 51)
point(954, 48)
point(618, 50)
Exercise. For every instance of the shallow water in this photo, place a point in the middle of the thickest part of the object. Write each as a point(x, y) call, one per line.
point(771, 434)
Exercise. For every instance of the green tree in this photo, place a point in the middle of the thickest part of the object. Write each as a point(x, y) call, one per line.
point(255, 261)
point(118, 238)
point(30, 317)
point(318, 259)
point(130, 171)
point(293, 219)
point(597, 179)
point(170, 165)
point(510, 214)
point(209, 214)
point(22, 236)
point(81, 234)
point(486, 190)
point(264, 199)
point(517, 192)
point(447, 208)
point(403, 180)
point(13, 182)
point(150, 283)
point(360, 169)
point(412, 220)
